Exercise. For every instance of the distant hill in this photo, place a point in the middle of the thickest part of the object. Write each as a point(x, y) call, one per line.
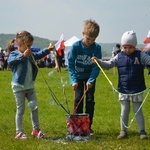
point(39, 42)
point(42, 43)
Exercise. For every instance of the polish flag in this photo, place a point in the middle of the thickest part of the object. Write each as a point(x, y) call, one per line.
point(60, 45)
point(147, 39)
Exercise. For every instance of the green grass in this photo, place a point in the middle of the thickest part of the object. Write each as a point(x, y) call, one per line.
point(53, 121)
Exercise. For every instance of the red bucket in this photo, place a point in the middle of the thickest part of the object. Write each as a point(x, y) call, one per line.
point(78, 124)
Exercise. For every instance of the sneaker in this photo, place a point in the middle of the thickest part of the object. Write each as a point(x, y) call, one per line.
point(21, 135)
point(38, 133)
point(143, 135)
point(122, 135)
point(91, 132)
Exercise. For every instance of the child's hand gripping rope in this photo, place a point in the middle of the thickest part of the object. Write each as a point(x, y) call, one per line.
point(51, 47)
point(94, 59)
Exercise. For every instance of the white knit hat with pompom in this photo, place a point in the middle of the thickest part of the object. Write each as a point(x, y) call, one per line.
point(129, 38)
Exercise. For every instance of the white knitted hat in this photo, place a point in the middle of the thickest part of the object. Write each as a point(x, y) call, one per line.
point(129, 38)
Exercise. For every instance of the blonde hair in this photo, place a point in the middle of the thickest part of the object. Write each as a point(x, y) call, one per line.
point(24, 36)
point(91, 28)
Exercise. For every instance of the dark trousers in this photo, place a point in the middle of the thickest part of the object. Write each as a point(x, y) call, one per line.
point(89, 103)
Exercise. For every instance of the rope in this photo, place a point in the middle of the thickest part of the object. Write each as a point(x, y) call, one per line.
point(103, 72)
point(80, 101)
point(61, 79)
point(51, 92)
point(148, 88)
point(136, 112)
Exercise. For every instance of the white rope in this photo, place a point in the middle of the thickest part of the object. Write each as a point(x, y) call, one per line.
point(148, 88)
point(133, 94)
point(136, 112)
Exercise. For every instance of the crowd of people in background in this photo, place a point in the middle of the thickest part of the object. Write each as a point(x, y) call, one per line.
point(3, 59)
point(48, 61)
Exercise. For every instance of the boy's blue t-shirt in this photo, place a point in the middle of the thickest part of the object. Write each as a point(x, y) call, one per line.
point(80, 65)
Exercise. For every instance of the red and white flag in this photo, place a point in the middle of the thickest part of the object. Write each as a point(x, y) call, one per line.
point(60, 45)
point(147, 39)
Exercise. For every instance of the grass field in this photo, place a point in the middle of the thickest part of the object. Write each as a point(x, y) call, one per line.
point(53, 120)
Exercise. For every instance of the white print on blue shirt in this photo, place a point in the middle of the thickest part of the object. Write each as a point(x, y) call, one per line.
point(84, 59)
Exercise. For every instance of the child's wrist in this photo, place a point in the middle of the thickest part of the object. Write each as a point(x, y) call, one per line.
point(22, 56)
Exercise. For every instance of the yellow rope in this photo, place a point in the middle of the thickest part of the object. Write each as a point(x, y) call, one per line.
point(148, 88)
point(103, 72)
point(35, 62)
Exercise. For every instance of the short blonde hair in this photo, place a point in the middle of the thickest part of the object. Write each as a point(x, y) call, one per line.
point(24, 36)
point(91, 28)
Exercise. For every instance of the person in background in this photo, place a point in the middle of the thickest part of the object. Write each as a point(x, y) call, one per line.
point(117, 50)
point(1, 59)
point(6, 54)
point(82, 71)
point(131, 83)
point(24, 69)
point(59, 59)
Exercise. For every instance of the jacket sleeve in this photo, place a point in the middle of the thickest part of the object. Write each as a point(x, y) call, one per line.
point(95, 69)
point(145, 58)
point(40, 54)
point(110, 63)
point(71, 66)
point(14, 58)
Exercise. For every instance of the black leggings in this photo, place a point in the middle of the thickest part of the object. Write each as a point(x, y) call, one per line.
point(89, 104)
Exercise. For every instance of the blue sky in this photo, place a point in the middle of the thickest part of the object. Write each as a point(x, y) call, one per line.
point(50, 18)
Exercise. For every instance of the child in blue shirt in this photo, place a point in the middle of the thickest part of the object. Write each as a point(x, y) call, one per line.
point(82, 71)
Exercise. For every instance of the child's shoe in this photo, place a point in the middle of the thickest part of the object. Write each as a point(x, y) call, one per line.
point(91, 132)
point(122, 135)
point(38, 133)
point(21, 135)
point(143, 135)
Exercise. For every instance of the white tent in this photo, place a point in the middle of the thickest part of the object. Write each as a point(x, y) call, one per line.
point(68, 45)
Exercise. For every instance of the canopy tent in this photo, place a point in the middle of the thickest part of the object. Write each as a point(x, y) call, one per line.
point(68, 45)
point(33, 48)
